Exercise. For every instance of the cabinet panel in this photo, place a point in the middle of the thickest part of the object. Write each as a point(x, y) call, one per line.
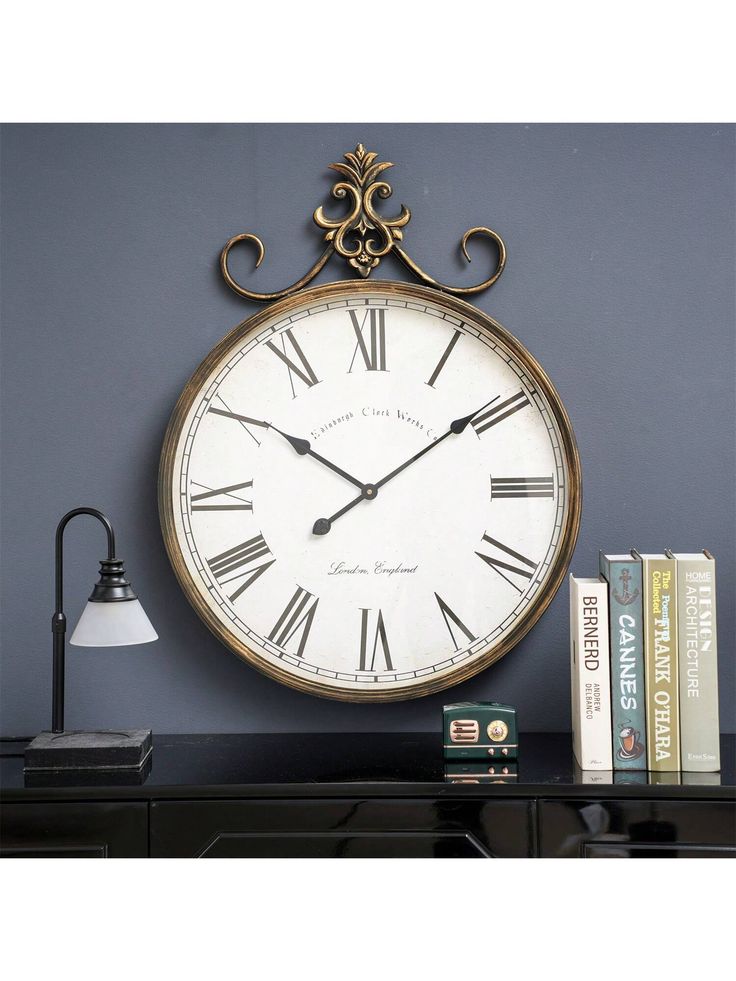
point(636, 829)
point(342, 828)
point(74, 830)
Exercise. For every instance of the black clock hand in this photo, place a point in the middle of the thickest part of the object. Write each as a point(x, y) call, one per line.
point(323, 525)
point(303, 448)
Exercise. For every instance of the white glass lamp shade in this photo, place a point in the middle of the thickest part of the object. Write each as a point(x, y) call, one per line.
point(113, 625)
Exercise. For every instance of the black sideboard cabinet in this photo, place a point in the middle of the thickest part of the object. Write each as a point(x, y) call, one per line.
point(361, 795)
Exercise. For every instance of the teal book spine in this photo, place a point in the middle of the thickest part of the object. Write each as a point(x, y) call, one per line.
point(628, 698)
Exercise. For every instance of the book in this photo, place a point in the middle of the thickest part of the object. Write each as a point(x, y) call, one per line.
point(698, 661)
point(590, 674)
point(625, 609)
point(660, 661)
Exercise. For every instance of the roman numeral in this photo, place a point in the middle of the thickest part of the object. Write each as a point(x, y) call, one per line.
point(443, 360)
point(500, 564)
point(245, 421)
point(375, 358)
point(380, 634)
point(236, 560)
point(499, 411)
point(304, 373)
point(296, 617)
point(448, 615)
point(234, 503)
point(522, 487)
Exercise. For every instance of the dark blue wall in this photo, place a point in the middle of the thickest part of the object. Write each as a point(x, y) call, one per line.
point(620, 280)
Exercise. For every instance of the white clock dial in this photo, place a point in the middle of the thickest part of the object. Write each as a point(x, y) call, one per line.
point(370, 491)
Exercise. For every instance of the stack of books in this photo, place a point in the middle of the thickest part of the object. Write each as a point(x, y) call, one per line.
point(644, 664)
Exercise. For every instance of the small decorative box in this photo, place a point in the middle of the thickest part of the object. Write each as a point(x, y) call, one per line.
point(480, 731)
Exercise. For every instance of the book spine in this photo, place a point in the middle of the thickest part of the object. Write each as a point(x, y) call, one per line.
point(696, 618)
point(628, 715)
point(591, 675)
point(660, 664)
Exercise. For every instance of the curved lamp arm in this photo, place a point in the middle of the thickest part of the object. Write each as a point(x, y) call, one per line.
point(58, 621)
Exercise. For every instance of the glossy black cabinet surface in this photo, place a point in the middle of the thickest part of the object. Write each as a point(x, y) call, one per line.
point(74, 829)
point(361, 795)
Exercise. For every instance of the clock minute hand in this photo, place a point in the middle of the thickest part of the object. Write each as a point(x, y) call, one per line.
point(304, 448)
point(460, 424)
point(456, 427)
point(369, 491)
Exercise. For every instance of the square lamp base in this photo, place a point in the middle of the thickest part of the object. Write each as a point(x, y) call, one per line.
point(108, 748)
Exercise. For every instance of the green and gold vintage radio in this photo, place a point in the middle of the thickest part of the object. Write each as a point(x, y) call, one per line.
point(480, 731)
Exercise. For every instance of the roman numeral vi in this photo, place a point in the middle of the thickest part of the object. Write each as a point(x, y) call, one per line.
point(379, 636)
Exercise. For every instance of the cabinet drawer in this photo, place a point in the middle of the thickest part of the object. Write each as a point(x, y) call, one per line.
point(342, 828)
point(74, 830)
point(637, 829)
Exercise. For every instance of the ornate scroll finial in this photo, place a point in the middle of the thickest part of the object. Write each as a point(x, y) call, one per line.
point(360, 187)
point(362, 236)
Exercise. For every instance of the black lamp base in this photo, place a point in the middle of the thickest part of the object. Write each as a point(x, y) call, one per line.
point(108, 748)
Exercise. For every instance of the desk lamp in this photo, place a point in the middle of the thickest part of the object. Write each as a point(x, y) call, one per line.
point(112, 617)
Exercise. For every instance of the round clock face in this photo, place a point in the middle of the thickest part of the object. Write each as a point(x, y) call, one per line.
point(370, 491)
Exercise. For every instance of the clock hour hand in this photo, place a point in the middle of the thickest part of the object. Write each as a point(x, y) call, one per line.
point(369, 491)
point(304, 448)
point(322, 525)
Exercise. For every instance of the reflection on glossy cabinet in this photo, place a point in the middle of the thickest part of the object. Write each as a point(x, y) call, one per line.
point(601, 828)
point(344, 828)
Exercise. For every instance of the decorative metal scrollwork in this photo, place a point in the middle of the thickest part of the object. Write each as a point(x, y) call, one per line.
point(362, 236)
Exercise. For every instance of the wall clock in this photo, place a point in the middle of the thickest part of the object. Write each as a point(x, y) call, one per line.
point(369, 490)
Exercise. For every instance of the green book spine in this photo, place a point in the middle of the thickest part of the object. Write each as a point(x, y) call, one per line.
point(698, 645)
point(660, 663)
point(625, 610)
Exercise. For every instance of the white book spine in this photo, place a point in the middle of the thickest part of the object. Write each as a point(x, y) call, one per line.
point(591, 674)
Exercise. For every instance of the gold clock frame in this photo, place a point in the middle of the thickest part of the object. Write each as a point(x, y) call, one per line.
point(491, 328)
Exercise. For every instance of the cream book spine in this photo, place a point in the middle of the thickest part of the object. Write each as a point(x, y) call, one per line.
point(590, 674)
